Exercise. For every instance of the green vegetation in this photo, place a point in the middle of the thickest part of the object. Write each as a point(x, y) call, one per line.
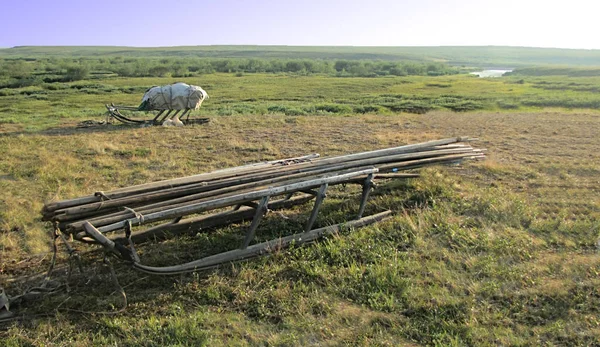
point(500, 252)
point(556, 71)
point(280, 86)
point(482, 56)
point(31, 104)
point(23, 72)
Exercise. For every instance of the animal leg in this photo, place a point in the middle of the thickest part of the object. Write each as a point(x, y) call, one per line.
point(186, 114)
point(158, 115)
point(175, 119)
point(165, 117)
point(175, 115)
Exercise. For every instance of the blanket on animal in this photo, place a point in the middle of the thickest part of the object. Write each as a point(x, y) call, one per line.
point(177, 96)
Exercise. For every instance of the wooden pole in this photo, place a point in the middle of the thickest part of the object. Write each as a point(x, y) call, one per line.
point(83, 210)
point(49, 208)
point(147, 187)
point(233, 200)
point(368, 184)
point(260, 248)
point(206, 222)
point(315, 211)
point(260, 211)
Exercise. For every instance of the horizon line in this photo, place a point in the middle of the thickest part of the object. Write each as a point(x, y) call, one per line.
point(321, 46)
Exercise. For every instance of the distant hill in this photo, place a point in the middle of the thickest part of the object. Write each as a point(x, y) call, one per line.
point(476, 56)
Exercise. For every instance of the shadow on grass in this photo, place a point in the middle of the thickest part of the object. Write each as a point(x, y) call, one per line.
point(73, 130)
point(94, 292)
point(68, 130)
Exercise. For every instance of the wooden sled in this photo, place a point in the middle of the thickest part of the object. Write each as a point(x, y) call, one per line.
point(114, 113)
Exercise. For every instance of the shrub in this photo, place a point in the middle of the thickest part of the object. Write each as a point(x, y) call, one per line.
point(76, 73)
point(159, 71)
point(412, 106)
point(439, 85)
point(288, 111)
point(464, 106)
point(507, 105)
point(225, 111)
point(22, 82)
point(368, 109)
point(54, 86)
point(294, 112)
point(276, 109)
point(332, 108)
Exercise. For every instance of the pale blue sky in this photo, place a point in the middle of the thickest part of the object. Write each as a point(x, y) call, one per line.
point(550, 23)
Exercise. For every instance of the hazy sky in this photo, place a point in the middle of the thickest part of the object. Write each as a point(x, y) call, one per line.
point(540, 23)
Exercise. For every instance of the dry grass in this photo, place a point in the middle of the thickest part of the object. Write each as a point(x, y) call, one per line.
point(502, 252)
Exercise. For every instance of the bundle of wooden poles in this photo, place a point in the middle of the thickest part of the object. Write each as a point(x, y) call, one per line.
point(177, 198)
point(180, 205)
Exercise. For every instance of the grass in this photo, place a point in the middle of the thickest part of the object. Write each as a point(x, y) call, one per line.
point(502, 252)
point(557, 71)
point(482, 56)
point(41, 107)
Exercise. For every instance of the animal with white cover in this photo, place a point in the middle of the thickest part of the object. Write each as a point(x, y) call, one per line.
point(175, 97)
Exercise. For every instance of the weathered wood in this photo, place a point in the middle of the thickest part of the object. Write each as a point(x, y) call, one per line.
point(205, 192)
point(77, 226)
point(207, 176)
point(315, 211)
point(108, 244)
point(260, 248)
point(367, 186)
point(309, 191)
point(110, 218)
point(397, 175)
point(236, 199)
point(122, 107)
point(412, 164)
point(250, 204)
point(147, 187)
point(114, 112)
point(97, 235)
point(105, 219)
point(184, 199)
point(210, 221)
point(202, 223)
point(393, 150)
point(210, 176)
point(80, 211)
point(260, 211)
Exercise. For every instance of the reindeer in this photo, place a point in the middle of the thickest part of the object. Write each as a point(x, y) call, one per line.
point(175, 97)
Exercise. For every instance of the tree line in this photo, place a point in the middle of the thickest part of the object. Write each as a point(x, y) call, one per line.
point(23, 72)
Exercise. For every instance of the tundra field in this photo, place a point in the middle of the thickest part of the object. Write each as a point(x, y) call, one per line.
point(499, 252)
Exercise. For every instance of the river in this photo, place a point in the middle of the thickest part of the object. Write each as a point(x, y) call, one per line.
point(490, 73)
